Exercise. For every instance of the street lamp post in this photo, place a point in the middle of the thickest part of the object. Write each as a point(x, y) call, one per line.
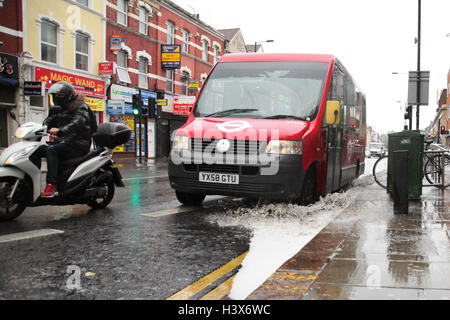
point(256, 43)
point(418, 65)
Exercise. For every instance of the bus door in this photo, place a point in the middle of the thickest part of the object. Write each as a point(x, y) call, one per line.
point(335, 140)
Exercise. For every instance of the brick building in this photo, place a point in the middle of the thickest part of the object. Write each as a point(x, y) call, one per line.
point(135, 33)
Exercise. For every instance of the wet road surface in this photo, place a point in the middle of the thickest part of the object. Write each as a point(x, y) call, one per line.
point(136, 248)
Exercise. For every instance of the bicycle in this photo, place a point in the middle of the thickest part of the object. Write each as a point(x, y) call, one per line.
point(435, 162)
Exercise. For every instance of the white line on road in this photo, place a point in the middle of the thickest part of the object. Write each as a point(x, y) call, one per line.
point(167, 212)
point(28, 235)
point(147, 177)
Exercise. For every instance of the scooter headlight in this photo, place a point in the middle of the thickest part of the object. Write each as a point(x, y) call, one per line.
point(19, 154)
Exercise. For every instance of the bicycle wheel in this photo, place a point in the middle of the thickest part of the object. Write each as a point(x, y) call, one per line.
point(379, 171)
point(433, 170)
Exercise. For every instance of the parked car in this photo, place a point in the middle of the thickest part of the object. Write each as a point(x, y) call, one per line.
point(439, 147)
point(376, 149)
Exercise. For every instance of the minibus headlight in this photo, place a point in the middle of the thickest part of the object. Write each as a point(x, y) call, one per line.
point(180, 143)
point(284, 147)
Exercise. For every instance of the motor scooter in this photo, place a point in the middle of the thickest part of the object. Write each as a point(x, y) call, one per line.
point(90, 179)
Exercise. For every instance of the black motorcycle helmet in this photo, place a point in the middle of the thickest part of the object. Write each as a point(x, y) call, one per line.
point(63, 93)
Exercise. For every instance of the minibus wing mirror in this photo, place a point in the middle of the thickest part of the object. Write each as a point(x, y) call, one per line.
point(333, 112)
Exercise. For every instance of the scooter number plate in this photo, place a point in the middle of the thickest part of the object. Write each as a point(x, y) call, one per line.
point(224, 178)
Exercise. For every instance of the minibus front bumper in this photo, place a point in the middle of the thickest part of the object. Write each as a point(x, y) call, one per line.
point(281, 178)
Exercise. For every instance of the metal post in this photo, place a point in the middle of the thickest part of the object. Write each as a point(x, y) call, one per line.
point(418, 67)
point(140, 128)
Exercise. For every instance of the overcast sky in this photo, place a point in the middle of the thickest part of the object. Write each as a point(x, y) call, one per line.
point(371, 38)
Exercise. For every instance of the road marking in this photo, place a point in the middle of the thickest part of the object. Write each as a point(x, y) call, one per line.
point(147, 177)
point(196, 287)
point(219, 292)
point(28, 235)
point(168, 212)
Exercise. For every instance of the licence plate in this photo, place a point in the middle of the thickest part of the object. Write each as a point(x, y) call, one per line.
point(225, 178)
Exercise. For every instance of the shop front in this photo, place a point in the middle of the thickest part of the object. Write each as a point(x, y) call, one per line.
point(119, 109)
point(92, 88)
point(9, 82)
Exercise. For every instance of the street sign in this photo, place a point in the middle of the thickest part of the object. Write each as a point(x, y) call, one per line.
point(171, 56)
point(105, 68)
point(115, 43)
point(422, 79)
point(34, 88)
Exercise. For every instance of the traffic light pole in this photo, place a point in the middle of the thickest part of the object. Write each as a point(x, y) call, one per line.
point(418, 67)
point(140, 128)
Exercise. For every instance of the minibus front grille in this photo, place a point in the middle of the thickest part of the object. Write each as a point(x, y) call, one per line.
point(239, 147)
point(223, 168)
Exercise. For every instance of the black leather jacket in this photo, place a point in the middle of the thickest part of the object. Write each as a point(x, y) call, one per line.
point(73, 124)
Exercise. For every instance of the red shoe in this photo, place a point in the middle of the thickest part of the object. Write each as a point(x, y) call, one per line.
point(50, 191)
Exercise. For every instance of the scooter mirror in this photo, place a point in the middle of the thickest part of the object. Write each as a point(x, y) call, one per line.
point(12, 115)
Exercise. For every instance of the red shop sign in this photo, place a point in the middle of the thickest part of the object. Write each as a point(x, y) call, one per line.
point(106, 68)
point(87, 86)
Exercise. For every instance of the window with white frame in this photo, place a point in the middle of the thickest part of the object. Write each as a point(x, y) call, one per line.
point(185, 41)
point(216, 53)
point(84, 2)
point(48, 42)
point(122, 66)
point(81, 51)
point(122, 12)
point(205, 48)
point(184, 82)
point(169, 80)
point(143, 20)
point(170, 32)
point(143, 67)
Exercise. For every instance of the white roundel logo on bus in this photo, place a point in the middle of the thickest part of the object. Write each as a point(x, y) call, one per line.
point(233, 126)
point(223, 145)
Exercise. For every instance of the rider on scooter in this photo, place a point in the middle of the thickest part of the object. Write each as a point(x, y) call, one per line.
point(70, 125)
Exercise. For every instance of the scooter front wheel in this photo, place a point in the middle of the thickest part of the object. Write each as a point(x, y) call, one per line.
point(100, 203)
point(11, 208)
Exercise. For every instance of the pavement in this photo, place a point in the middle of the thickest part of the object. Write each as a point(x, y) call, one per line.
point(366, 253)
point(370, 253)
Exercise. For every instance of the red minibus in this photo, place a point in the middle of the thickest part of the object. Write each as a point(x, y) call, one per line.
point(277, 126)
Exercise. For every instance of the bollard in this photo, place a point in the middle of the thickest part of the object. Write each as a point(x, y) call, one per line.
point(400, 182)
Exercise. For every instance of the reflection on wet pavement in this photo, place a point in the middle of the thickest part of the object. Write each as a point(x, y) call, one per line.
point(370, 253)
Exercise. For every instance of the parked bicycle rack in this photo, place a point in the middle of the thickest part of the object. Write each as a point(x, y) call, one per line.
point(439, 173)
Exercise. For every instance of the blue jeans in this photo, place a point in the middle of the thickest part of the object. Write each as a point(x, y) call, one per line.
point(56, 152)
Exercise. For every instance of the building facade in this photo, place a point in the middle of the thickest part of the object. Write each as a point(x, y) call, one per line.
point(63, 41)
point(109, 50)
point(11, 47)
point(138, 34)
point(442, 117)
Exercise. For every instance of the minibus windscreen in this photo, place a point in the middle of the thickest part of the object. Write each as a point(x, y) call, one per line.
point(263, 90)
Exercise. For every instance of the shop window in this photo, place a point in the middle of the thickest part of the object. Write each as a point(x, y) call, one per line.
point(122, 66)
point(48, 42)
point(143, 20)
point(81, 51)
point(122, 12)
point(143, 80)
point(169, 80)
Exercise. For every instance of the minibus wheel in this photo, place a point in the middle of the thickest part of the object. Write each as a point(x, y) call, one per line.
point(190, 199)
point(309, 190)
